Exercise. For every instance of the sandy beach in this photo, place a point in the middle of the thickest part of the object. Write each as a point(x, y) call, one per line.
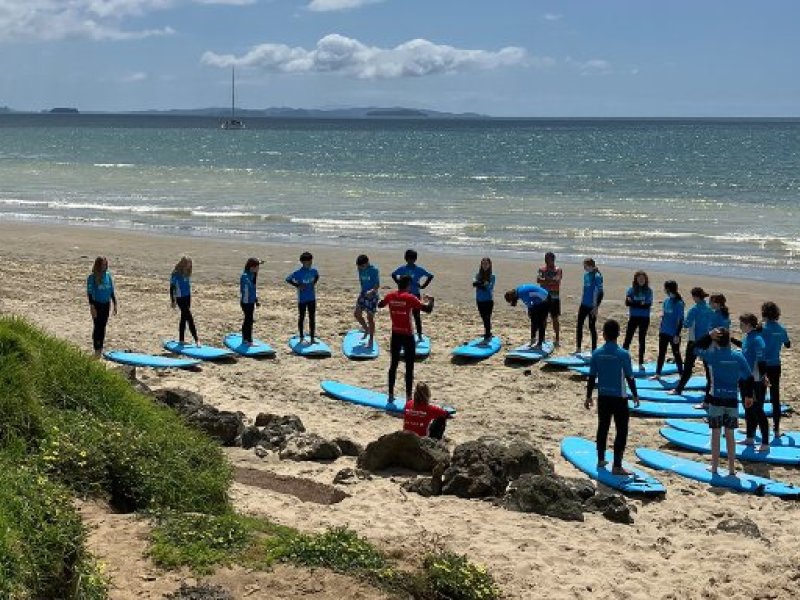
point(672, 551)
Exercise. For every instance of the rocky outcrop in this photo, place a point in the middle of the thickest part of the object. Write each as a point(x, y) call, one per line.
point(224, 426)
point(403, 449)
point(309, 446)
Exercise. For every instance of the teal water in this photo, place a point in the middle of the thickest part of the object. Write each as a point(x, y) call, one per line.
point(708, 196)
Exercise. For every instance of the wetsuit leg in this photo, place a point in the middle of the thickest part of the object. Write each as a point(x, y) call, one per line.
point(485, 309)
point(593, 329)
point(301, 317)
point(247, 323)
point(185, 306)
point(663, 343)
point(688, 367)
point(760, 415)
point(621, 419)
point(100, 321)
point(676, 354)
point(312, 317)
point(630, 329)
point(774, 375)
point(436, 428)
point(394, 351)
point(750, 413)
point(409, 355)
point(605, 409)
point(583, 312)
point(418, 318)
point(644, 325)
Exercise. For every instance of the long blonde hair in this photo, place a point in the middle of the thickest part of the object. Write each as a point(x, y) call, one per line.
point(184, 266)
point(422, 393)
point(97, 268)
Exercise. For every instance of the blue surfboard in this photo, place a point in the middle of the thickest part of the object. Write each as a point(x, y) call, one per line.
point(583, 454)
point(200, 352)
point(702, 443)
point(366, 397)
point(788, 439)
point(571, 360)
point(647, 370)
point(258, 349)
point(528, 353)
point(354, 346)
point(662, 396)
point(696, 382)
point(136, 359)
point(740, 482)
point(422, 349)
point(478, 348)
point(679, 410)
point(304, 347)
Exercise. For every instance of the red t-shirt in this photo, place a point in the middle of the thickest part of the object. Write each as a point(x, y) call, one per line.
point(417, 417)
point(400, 306)
point(550, 279)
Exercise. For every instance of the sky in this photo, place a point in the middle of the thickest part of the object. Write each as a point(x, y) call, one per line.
point(570, 58)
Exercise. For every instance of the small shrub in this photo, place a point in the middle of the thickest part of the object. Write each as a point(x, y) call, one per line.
point(449, 576)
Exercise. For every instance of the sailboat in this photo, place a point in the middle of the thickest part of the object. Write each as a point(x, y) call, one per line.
point(233, 122)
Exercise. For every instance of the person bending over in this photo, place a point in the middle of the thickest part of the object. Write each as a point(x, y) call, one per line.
point(401, 303)
point(422, 417)
point(609, 368)
point(537, 299)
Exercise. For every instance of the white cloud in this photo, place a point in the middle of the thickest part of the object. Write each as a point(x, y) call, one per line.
point(336, 53)
point(227, 2)
point(334, 5)
point(592, 66)
point(552, 17)
point(134, 77)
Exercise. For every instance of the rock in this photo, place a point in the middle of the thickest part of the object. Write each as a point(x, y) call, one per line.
point(348, 446)
point(287, 424)
point(403, 449)
point(349, 475)
point(745, 527)
point(484, 467)
point(545, 495)
point(182, 401)
point(200, 592)
point(224, 426)
point(309, 446)
point(581, 486)
point(420, 485)
point(261, 451)
point(612, 506)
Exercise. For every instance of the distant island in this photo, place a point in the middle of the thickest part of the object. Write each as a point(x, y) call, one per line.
point(395, 112)
point(64, 111)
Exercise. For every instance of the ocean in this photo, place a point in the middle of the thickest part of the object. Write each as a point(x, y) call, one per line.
point(700, 196)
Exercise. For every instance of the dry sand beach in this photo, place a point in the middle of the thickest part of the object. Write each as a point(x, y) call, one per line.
point(672, 551)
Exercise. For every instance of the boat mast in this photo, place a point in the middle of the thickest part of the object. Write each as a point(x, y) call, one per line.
point(233, 92)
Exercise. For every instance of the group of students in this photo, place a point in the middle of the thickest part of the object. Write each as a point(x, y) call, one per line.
point(707, 325)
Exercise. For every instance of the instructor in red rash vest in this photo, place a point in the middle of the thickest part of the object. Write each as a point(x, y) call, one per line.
point(401, 303)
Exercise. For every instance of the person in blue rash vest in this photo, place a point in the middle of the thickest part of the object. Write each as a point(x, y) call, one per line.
point(639, 300)
point(483, 282)
point(727, 370)
point(180, 295)
point(416, 273)
point(591, 298)
point(697, 324)
point(537, 299)
point(305, 280)
point(669, 334)
point(775, 338)
point(370, 280)
point(754, 352)
point(248, 298)
point(101, 295)
point(609, 369)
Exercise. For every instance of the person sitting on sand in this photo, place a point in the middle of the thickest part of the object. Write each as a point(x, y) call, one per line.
point(639, 300)
point(537, 299)
point(754, 352)
point(483, 282)
point(249, 298)
point(549, 277)
point(669, 333)
point(401, 303)
point(729, 372)
point(609, 368)
point(367, 301)
point(305, 280)
point(775, 338)
point(422, 417)
point(591, 298)
point(416, 273)
point(100, 292)
point(180, 295)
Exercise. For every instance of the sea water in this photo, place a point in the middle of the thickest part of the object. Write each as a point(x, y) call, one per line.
point(705, 196)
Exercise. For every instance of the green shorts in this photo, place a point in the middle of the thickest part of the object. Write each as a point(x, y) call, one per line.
point(723, 416)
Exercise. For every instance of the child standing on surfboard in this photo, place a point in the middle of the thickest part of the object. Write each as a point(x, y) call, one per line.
point(549, 278)
point(248, 298)
point(775, 338)
point(305, 280)
point(367, 301)
point(639, 300)
point(590, 303)
point(609, 368)
point(101, 295)
point(180, 295)
point(416, 274)
point(669, 333)
point(483, 282)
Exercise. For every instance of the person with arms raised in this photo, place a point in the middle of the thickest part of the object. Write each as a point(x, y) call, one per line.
point(401, 303)
point(609, 369)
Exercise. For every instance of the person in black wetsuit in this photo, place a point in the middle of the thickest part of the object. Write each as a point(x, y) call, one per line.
point(639, 300)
